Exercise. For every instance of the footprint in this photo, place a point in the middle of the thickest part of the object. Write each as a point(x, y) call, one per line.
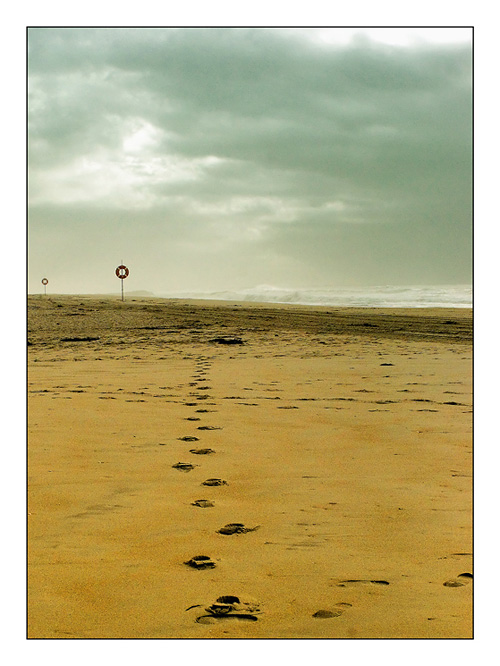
point(200, 562)
point(461, 580)
point(236, 528)
point(350, 581)
point(324, 614)
point(229, 607)
point(335, 611)
point(204, 503)
point(209, 428)
point(189, 438)
point(184, 467)
point(201, 452)
point(214, 482)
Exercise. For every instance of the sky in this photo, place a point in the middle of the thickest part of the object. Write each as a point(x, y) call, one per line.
point(211, 159)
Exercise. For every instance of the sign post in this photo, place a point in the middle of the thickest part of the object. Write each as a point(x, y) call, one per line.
point(45, 282)
point(122, 272)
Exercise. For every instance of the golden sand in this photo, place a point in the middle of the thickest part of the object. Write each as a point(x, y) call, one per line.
point(343, 436)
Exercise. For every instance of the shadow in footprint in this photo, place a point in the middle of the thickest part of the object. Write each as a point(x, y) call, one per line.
point(324, 614)
point(200, 562)
point(214, 482)
point(236, 528)
point(335, 611)
point(183, 467)
point(204, 503)
point(213, 619)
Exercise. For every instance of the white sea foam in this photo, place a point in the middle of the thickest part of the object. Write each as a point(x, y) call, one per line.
point(440, 296)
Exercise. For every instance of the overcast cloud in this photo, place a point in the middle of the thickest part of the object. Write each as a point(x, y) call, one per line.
point(210, 159)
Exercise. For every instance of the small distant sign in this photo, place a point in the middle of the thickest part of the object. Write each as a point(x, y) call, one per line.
point(45, 282)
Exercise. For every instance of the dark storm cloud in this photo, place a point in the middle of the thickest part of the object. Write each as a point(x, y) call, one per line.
point(262, 137)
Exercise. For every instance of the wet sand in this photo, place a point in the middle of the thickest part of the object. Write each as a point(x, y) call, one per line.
point(342, 435)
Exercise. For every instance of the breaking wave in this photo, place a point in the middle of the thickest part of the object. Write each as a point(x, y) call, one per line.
point(441, 296)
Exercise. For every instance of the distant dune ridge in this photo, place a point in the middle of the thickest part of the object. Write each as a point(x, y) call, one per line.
point(328, 493)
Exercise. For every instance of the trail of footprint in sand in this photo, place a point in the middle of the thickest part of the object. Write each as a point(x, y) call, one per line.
point(226, 608)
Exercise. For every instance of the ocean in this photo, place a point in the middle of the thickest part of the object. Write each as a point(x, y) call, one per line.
point(437, 296)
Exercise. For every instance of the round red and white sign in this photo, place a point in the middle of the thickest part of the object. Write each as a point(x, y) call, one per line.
point(122, 272)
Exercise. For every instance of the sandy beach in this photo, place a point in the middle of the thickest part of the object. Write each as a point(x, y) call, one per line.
point(315, 462)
